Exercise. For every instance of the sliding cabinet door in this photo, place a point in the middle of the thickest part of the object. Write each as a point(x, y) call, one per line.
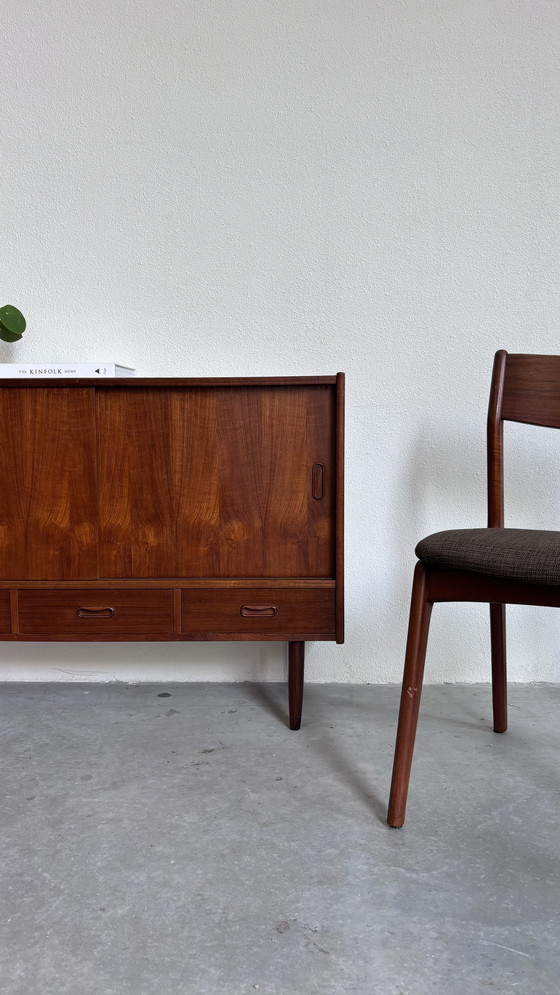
point(216, 481)
point(256, 491)
point(48, 504)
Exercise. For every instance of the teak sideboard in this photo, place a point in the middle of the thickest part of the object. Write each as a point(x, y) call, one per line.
point(174, 509)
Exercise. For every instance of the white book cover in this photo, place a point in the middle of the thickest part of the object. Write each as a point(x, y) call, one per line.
point(37, 370)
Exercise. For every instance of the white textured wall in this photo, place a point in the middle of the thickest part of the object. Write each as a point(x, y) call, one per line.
point(277, 187)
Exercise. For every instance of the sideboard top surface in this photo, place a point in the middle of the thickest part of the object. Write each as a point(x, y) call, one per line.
point(111, 382)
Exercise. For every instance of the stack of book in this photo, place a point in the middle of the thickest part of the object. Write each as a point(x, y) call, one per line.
point(36, 370)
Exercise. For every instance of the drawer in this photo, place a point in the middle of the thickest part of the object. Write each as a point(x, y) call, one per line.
point(254, 610)
point(5, 614)
point(95, 612)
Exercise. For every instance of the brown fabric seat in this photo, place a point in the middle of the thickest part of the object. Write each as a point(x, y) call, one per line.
point(531, 556)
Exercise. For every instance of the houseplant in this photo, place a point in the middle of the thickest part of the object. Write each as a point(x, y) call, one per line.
point(12, 323)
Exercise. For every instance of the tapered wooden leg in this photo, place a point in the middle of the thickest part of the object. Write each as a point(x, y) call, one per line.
point(418, 626)
point(296, 657)
point(499, 669)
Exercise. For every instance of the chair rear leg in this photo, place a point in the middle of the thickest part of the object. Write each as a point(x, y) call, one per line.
point(418, 626)
point(499, 670)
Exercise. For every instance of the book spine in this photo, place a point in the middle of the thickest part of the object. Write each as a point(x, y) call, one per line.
point(53, 370)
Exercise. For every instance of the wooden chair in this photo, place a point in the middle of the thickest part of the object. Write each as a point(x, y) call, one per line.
point(495, 565)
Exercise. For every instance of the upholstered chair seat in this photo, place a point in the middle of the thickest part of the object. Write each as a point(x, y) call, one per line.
point(531, 556)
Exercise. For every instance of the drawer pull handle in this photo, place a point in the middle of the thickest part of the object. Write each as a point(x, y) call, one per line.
point(252, 611)
point(95, 612)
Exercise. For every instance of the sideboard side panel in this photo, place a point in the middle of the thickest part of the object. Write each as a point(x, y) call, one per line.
point(340, 404)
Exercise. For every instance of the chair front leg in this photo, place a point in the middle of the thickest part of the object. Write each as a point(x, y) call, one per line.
point(418, 627)
point(499, 669)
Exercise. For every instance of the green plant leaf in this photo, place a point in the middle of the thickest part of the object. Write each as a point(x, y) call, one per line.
point(8, 336)
point(12, 323)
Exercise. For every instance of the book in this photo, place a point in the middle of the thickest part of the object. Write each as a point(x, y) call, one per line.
point(37, 370)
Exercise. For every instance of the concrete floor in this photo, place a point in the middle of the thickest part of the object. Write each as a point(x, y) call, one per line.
point(179, 840)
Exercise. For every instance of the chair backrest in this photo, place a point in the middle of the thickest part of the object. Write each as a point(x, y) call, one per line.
point(525, 388)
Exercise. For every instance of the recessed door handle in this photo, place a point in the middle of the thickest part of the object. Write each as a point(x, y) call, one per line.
point(317, 481)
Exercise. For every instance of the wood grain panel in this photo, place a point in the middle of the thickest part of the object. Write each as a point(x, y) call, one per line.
point(531, 390)
point(137, 493)
point(246, 504)
point(255, 610)
point(197, 482)
point(48, 506)
point(5, 612)
point(218, 482)
point(88, 614)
